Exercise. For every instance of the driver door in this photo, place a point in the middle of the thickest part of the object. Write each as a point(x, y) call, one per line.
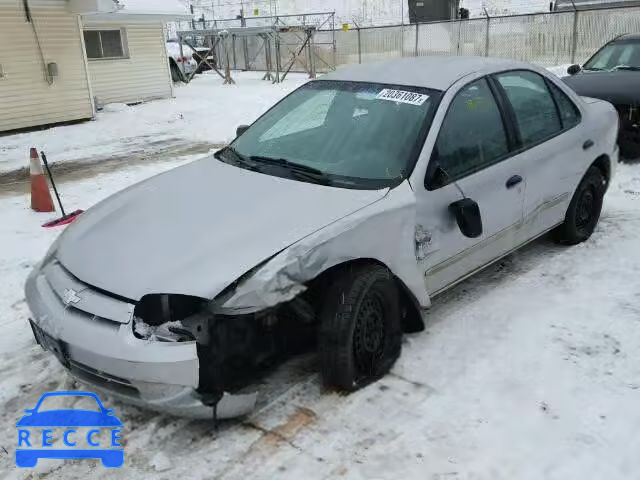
point(473, 152)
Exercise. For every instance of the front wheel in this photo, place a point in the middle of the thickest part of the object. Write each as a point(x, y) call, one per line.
point(584, 210)
point(360, 330)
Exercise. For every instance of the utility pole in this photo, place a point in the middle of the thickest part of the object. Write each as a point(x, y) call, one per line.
point(245, 45)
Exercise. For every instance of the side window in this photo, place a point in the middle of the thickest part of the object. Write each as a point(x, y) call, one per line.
point(569, 113)
point(535, 110)
point(472, 135)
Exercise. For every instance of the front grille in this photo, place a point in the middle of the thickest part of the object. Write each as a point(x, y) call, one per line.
point(75, 294)
point(104, 380)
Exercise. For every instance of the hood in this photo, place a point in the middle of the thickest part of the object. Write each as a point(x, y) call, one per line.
point(195, 229)
point(619, 88)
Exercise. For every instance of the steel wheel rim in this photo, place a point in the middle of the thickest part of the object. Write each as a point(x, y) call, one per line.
point(585, 208)
point(369, 337)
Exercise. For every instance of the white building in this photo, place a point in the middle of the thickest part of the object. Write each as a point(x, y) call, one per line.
point(62, 59)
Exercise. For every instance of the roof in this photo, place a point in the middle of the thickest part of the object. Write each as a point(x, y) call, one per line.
point(628, 36)
point(139, 9)
point(151, 7)
point(437, 72)
point(594, 4)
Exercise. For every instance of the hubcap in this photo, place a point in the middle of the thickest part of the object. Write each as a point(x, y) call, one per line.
point(369, 333)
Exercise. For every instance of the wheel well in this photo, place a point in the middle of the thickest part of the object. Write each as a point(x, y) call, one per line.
point(411, 312)
point(603, 163)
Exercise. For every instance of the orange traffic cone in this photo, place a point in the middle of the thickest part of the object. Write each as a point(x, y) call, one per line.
point(40, 196)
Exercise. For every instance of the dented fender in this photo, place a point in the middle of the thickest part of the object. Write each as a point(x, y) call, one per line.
point(383, 231)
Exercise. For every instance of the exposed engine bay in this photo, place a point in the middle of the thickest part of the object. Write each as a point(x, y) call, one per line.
point(233, 350)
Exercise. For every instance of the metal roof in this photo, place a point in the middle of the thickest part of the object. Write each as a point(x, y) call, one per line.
point(437, 72)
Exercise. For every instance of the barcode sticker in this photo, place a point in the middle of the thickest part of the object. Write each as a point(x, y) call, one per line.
point(402, 96)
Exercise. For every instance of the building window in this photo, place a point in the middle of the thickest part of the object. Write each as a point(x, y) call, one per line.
point(105, 44)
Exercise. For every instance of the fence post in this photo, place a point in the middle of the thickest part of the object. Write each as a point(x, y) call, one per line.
point(486, 35)
point(574, 40)
point(359, 45)
point(417, 27)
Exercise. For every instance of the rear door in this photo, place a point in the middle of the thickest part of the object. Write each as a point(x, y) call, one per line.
point(474, 148)
point(546, 121)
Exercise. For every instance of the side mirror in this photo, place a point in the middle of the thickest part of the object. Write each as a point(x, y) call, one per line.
point(440, 178)
point(241, 129)
point(573, 69)
point(467, 214)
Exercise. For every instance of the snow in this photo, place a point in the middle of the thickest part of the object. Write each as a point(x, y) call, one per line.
point(153, 7)
point(560, 70)
point(153, 333)
point(160, 462)
point(203, 115)
point(116, 107)
point(173, 49)
point(528, 370)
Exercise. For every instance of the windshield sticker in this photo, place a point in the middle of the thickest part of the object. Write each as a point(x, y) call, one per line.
point(402, 96)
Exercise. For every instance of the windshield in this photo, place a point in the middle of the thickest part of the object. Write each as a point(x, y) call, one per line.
point(345, 134)
point(625, 54)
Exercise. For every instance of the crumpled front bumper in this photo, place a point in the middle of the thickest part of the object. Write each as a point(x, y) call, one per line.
point(162, 376)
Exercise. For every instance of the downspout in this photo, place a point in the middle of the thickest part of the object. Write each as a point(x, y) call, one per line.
point(29, 18)
point(166, 56)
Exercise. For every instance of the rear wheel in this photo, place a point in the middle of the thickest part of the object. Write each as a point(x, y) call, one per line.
point(360, 333)
point(584, 210)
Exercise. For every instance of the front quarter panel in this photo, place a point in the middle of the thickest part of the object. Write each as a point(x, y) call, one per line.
point(384, 231)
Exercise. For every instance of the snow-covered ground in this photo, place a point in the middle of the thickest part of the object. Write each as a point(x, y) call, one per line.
point(528, 371)
point(202, 115)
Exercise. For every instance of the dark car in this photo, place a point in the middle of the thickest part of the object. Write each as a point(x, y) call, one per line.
point(613, 74)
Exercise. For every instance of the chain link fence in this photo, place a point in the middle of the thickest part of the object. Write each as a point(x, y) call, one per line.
point(547, 39)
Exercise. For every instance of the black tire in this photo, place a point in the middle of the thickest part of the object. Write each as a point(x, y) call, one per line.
point(360, 334)
point(584, 210)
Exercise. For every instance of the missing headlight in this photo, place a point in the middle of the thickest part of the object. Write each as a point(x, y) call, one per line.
point(159, 309)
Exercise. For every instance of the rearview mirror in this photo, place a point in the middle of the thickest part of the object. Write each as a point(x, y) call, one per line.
point(241, 129)
point(573, 69)
point(467, 214)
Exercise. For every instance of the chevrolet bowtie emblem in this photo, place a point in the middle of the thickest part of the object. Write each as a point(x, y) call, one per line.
point(70, 297)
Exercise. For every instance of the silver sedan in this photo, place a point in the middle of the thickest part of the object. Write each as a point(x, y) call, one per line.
point(328, 224)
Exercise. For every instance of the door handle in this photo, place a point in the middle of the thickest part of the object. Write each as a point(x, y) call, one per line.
point(587, 145)
point(513, 181)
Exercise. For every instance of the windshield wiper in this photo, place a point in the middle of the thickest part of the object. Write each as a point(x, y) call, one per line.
point(593, 69)
point(237, 157)
point(626, 67)
point(282, 162)
point(302, 172)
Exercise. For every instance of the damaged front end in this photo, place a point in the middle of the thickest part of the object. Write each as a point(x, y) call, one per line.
point(169, 353)
point(234, 351)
